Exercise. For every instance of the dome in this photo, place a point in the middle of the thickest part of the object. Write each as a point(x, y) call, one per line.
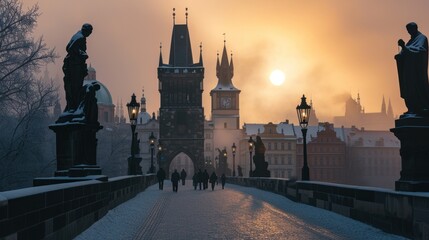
point(103, 95)
point(143, 118)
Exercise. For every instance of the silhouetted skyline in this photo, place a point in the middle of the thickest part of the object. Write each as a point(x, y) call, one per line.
point(328, 50)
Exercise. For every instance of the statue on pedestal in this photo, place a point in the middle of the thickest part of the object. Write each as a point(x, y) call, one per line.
point(412, 64)
point(261, 166)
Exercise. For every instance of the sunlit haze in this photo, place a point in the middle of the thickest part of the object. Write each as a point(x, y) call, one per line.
point(329, 50)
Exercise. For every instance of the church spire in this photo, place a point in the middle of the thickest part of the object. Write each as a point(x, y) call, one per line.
point(143, 102)
point(224, 70)
point(390, 110)
point(383, 106)
point(231, 67)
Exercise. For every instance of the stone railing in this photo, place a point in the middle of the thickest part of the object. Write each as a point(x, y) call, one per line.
point(401, 213)
point(62, 211)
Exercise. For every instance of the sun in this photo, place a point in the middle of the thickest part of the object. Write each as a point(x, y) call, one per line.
point(277, 77)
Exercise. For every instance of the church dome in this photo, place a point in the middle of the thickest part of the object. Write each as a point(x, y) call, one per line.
point(143, 118)
point(103, 95)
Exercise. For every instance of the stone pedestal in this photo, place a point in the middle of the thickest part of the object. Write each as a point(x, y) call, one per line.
point(413, 132)
point(76, 148)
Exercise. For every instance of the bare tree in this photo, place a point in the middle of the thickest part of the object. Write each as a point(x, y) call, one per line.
point(24, 99)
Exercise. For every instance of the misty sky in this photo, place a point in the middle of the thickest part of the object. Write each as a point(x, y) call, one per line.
point(327, 49)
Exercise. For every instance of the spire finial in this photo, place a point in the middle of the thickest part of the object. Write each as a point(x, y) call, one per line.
point(224, 39)
point(186, 14)
point(174, 16)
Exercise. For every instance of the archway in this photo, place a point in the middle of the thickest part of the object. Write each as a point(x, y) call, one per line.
point(182, 161)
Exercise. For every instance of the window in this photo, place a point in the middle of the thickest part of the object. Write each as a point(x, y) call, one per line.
point(208, 147)
point(269, 146)
point(225, 125)
point(283, 146)
point(275, 145)
point(289, 159)
point(289, 146)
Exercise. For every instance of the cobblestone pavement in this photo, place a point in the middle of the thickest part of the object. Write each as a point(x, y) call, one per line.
point(230, 213)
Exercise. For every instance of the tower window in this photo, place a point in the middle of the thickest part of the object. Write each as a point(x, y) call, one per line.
point(225, 125)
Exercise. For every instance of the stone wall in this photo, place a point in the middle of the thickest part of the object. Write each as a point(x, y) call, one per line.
point(401, 213)
point(62, 211)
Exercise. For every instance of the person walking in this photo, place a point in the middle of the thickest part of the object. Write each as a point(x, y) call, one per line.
point(200, 177)
point(213, 180)
point(205, 179)
point(161, 176)
point(183, 176)
point(175, 177)
point(195, 181)
point(223, 180)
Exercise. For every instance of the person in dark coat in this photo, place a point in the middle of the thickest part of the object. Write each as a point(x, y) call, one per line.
point(213, 180)
point(200, 177)
point(183, 176)
point(205, 179)
point(161, 176)
point(175, 177)
point(195, 181)
point(223, 179)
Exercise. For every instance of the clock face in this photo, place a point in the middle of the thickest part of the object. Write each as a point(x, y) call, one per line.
point(225, 102)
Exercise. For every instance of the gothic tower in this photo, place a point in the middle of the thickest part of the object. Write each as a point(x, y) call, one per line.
point(181, 114)
point(225, 96)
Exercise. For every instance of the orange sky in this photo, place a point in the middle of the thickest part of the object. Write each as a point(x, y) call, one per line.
point(327, 49)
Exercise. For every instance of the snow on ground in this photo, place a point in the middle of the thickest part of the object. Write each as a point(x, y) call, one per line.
point(234, 213)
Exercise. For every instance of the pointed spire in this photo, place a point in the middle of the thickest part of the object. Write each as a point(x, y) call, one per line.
point(174, 16)
point(201, 54)
point(231, 66)
point(224, 70)
point(161, 62)
point(390, 110)
point(186, 14)
point(358, 98)
point(217, 64)
point(383, 106)
point(143, 102)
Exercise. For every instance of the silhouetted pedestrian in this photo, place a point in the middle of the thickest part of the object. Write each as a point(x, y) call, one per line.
point(195, 181)
point(183, 176)
point(175, 177)
point(213, 180)
point(205, 179)
point(161, 176)
point(223, 180)
point(200, 177)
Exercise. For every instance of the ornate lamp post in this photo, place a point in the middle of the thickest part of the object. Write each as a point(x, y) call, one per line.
point(251, 142)
point(303, 112)
point(133, 111)
point(234, 148)
point(152, 140)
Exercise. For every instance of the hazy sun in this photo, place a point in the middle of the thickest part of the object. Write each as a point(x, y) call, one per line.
point(277, 77)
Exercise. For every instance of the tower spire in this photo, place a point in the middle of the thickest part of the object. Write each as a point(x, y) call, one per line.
point(186, 14)
point(201, 54)
point(231, 66)
point(160, 54)
point(174, 16)
point(143, 102)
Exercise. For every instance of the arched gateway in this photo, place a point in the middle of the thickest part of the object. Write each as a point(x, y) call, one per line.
point(181, 115)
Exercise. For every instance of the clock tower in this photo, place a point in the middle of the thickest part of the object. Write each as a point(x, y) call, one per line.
point(225, 96)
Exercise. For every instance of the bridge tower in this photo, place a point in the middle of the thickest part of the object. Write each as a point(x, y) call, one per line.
point(181, 114)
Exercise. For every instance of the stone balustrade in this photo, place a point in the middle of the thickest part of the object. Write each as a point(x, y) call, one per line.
point(401, 213)
point(62, 211)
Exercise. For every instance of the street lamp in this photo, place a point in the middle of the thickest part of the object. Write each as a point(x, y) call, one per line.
point(303, 112)
point(234, 148)
point(251, 142)
point(152, 140)
point(160, 149)
point(133, 111)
